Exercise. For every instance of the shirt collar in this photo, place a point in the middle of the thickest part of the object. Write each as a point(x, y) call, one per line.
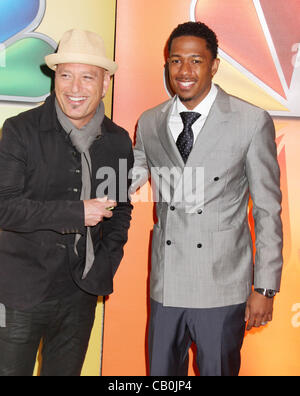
point(203, 107)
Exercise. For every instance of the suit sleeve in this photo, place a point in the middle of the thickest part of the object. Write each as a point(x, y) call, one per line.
point(140, 173)
point(263, 175)
point(115, 229)
point(17, 212)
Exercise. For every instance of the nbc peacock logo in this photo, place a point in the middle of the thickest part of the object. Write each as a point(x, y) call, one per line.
point(22, 52)
point(260, 41)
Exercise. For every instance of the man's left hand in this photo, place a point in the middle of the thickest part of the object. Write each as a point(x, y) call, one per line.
point(259, 310)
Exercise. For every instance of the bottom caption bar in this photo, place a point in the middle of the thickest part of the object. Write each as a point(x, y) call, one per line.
point(142, 385)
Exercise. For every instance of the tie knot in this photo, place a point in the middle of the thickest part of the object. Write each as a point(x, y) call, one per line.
point(189, 117)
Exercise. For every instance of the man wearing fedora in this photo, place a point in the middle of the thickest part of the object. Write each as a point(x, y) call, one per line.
point(64, 222)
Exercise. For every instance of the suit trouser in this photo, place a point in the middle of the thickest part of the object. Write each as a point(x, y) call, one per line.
point(64, 326)
point(218, 334)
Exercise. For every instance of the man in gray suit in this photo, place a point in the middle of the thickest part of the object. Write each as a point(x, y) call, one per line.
point(207, 152)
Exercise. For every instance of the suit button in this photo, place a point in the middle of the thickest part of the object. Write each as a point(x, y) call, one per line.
point(169, 243)
point(76, 171)
point(199, 246)
point(200, 211)
point(216, 178)
point(172, 208)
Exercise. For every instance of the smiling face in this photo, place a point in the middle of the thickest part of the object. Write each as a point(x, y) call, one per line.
point(191, 69)
point(79, 90)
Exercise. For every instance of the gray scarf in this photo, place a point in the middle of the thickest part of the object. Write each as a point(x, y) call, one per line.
point(82, 139)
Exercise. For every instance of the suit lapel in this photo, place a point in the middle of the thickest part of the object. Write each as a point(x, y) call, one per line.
point(211, 132)
point(165, 135)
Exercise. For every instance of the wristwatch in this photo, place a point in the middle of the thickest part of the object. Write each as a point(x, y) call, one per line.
point(266, 292)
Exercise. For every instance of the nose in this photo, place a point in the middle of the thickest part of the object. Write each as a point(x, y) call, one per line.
point(76, 85)
point(185, 68)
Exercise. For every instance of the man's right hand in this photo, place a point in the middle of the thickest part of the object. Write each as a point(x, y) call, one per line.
point(96, 209)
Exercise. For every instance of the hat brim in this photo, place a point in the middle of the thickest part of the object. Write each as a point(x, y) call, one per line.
point(56, 59)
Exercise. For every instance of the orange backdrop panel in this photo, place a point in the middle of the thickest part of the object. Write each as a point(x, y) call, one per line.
point(142, 31)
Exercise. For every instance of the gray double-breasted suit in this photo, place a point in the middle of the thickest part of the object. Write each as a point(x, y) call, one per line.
point(202, 251)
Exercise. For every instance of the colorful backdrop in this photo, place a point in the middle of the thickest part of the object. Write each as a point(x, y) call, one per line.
point(259, 50)
point(29, 30)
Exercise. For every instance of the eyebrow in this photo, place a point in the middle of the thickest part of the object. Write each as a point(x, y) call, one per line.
point(180, 56)
point(82, 73)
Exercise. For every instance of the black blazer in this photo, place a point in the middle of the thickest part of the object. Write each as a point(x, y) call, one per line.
point(41, 211)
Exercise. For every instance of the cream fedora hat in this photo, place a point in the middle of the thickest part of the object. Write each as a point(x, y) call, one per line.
point(81, 46)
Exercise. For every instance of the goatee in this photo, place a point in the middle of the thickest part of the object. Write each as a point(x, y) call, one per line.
point(185, 99)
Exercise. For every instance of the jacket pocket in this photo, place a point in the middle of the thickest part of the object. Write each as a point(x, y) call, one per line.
point(232, 256)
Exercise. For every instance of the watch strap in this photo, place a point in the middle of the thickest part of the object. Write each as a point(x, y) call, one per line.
point(266, 292)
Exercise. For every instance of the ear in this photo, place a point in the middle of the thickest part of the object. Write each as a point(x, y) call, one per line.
point(106, 83)
point(215, 66)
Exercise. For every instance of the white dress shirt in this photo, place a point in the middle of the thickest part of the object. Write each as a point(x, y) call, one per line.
point(176, 124)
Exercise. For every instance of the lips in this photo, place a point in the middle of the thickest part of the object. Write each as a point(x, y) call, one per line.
point(77, 99)
point(185, 85)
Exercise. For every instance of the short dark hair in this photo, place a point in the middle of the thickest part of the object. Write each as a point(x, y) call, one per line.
point(197, 29)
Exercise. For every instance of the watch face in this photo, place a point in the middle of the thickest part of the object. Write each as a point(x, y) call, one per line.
point(271, 293)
